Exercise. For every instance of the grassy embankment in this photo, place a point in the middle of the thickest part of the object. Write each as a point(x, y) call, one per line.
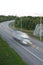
point(8, 56)
point(29, 32)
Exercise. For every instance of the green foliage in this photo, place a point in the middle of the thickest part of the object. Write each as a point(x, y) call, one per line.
point(6, 18)
point(28, 22)
point(8, 56)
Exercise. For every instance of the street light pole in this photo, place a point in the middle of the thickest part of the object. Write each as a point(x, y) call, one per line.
point(14, 22)
point(21, 24)
point(40, 28)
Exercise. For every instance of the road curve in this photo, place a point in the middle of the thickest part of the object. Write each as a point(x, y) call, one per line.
point(30, 54)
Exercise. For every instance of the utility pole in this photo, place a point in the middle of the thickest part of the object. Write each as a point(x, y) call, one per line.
point(21, 23)
point(14, 22)
point(40, 25)
point(40, 28)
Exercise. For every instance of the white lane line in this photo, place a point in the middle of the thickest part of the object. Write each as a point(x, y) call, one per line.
point(37, 48)
point(31, 53)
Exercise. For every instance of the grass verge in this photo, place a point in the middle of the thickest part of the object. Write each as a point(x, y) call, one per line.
point(8, 56)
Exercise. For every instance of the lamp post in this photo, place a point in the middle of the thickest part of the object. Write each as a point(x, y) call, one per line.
point(14, 22)
point(40, 25)
point(40, 28)
point(21, 23)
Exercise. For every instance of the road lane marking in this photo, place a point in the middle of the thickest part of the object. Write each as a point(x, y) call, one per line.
point(37, 47)
point(34, 46)
point(31, 53)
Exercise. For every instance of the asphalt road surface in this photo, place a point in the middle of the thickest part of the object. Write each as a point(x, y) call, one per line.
point(32, 54)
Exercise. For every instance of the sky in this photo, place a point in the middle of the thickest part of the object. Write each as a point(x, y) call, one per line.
point(21, 7)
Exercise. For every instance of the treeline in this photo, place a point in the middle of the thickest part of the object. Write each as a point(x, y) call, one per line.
point(6, 18)
point(28, 22)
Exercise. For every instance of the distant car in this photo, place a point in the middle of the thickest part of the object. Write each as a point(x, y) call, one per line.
point(22, 37)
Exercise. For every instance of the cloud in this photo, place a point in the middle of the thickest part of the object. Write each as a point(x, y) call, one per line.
point(21, 7)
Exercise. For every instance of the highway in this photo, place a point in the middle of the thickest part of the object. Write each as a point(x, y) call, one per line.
point(32, 54)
